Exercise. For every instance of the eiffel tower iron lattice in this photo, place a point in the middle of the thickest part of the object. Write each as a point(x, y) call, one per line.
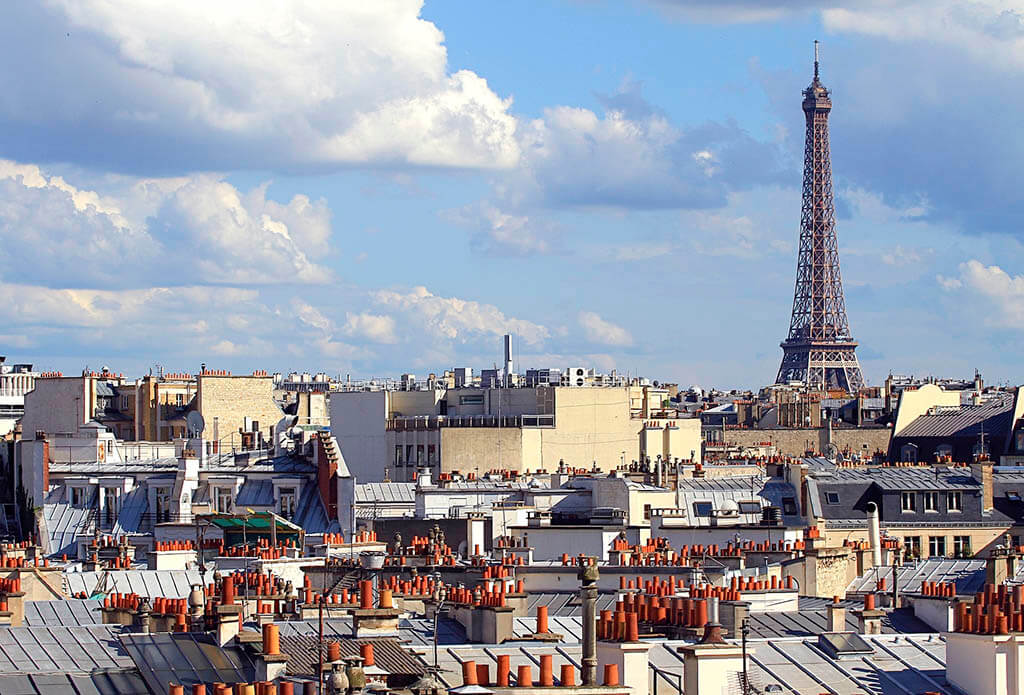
point(819, 350)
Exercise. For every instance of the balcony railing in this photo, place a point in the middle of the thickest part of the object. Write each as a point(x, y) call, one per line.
point(433, 422)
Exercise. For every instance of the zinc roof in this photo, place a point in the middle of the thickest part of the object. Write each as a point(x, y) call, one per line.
point(74, 612)
point(187, 658)
point(965, 421)
point(111, 682)
point(61, 649)
point(401, 493)
point(150, 583)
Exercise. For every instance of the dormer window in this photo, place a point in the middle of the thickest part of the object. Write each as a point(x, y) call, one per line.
point(831, 498)
point(1013, 496)
point(750, 507)
point(702, 508)
point(907, 501)
point(931, 501)
point(954, 502)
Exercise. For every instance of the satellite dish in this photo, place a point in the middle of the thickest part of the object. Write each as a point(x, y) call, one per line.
point(195, 424)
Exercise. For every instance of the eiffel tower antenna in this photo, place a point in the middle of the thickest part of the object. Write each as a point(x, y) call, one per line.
point(819, 350)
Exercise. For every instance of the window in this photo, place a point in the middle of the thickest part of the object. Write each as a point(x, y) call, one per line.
point(1013, 496)
point(398, 455)
point(750, 507)
point(702, 509)
point(954, 501)
point(179, 399)
point(111, 505)
point(408, 454)
point(476, 399)
point(911, 547)
point(78, 497)
point(286, 502)
point(419, 455)
point(789, 505)
point(431, 454)
point(831, 498)
point(223, 499)
point(163, 504)
point(962, 546)
point(125, 402)
point(937, 546)
point(647, 511)
point(907, 501)
point(931, 501)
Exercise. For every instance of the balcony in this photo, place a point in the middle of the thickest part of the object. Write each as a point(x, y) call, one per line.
point(434, 422)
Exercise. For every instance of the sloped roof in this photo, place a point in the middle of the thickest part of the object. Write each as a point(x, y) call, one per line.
point(255, 492)
point(61, 649)
point(151, 583)
point(187, 658)
point(110, 682)
point(388, 493)
point(74, 612)
point(965, 421)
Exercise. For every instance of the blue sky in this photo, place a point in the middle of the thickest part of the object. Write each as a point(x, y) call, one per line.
point(372, 188)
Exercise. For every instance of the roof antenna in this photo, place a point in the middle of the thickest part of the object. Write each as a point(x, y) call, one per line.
point(815, 60)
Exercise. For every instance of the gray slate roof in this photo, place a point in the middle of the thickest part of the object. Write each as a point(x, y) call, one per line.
point(74, 612)
point(968, 575)
point(151, 583)
point(96, 683)
point(187, 658)
point(59, 649)
point(255, 492)
point(388, 493)
point(965, 421)
point(718, 491)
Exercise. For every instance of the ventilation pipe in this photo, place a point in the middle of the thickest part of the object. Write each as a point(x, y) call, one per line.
point(874, 535)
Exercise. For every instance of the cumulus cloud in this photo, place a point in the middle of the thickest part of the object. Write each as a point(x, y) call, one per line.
point(311, 84)
point(1003, 292)
point(638, 159)
point(454, 319)
point(597, 330)
point(499, 233)
point(377, 328)
point(189, 230)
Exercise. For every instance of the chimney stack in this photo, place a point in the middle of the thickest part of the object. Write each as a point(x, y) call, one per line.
point(588, 576)
point(874, 535)
point(836, 616)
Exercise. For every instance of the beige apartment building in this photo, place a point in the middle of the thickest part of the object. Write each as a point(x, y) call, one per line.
point(154, 408)
point(475, 430)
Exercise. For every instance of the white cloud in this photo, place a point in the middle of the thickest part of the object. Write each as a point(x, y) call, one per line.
point(597, 330)
point(451, 318)
point(377, 328)
point(502, 234)
point(989, 30)
point(196, 229)
point(305, 83)
point(1004, 292)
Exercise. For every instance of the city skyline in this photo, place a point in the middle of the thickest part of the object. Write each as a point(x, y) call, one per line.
point(617, 186)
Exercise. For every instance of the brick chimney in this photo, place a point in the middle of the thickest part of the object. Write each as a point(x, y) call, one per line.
point(713, 665)
point(836, 616)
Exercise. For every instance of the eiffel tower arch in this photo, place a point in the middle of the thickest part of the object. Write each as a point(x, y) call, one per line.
point(819, 350)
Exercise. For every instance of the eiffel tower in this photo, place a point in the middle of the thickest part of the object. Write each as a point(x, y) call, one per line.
point(819, 350)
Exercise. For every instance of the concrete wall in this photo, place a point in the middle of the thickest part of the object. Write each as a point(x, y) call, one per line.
point(51, 406)
point(469, 449)
point(796, 441)
point(358, 420)
point(231, 399)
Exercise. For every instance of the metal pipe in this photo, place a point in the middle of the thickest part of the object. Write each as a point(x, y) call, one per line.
point(874, 534)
